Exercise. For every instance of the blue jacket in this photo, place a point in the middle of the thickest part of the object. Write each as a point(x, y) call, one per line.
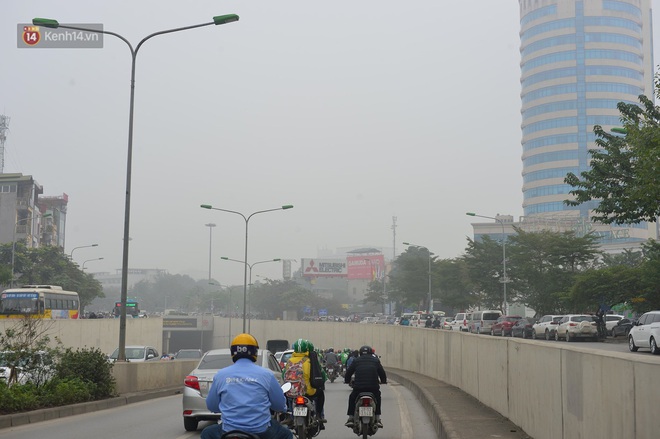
point(244, 393)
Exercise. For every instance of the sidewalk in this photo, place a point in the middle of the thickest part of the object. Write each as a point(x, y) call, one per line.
point(23, 418)
point(454, 413)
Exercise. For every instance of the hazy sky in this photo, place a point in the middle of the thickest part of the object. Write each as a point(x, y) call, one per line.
point(352, 111)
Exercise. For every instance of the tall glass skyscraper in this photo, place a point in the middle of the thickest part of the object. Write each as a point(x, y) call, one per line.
point(579, 58)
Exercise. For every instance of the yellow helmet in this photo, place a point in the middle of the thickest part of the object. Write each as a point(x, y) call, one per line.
point(244, 346)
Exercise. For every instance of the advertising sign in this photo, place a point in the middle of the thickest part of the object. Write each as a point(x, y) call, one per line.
point(371, 267)
point(324, 267)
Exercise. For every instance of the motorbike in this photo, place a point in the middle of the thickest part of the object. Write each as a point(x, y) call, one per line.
point(306, 423)
point(364, 419)
point(332, 371)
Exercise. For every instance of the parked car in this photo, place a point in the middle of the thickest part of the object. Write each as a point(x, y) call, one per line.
point(622, 328)
point(136, 354)
point(188, 354)
point(611, 321)
point(196, 385)
point(459, 323)
point(546, 327)
point(29, 367)
point(645, 333)
point(481, 321)
point(574, 326)
point(523, 328)
point(503, 325)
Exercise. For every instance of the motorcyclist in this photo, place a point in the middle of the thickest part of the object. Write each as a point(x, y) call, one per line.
point(331, 359)
point(301, 348)
point(245, 393)
point(368, 371)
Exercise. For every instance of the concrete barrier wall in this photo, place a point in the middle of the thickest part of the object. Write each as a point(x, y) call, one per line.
point(551, 390)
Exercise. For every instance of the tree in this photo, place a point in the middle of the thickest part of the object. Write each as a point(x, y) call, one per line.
point(456, 287)
point(409, 278)
point(484, 264)
point(544, 266)
point(624, 172)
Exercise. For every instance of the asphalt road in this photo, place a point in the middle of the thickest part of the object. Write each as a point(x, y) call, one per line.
point(403, 418)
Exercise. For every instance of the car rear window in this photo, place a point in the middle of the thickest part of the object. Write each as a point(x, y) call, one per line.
point(218, 361)
point(490, 316)
point(582, 319)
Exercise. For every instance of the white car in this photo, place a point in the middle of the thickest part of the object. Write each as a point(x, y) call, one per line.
point(574, 326)
point(546, 326)
point(459, 323)
point(645, 333)
point(136, 354)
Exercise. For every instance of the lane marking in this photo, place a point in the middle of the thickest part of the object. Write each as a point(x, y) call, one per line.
point(406, 424)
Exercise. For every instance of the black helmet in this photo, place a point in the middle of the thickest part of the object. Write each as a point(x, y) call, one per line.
point(366, 350)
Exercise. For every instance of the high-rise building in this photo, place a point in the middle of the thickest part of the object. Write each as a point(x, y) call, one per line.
point(579, 58)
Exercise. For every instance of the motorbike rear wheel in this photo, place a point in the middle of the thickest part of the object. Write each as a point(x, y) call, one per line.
point(301, 432)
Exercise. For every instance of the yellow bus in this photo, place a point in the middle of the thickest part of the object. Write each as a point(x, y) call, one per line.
point(39, 301)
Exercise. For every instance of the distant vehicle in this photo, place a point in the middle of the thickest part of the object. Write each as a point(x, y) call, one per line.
point(198, 382)
point(39, 302)
point(523, 328)
point(132, 309)
point(482, 321)
point(611, 321)
point(546, 327)
point(645, 333)
point(503, 325)
point(33, 367)
point(188, 354)
point(622, 328)
point(574, 326)
point(459, 323)
point(136, 354)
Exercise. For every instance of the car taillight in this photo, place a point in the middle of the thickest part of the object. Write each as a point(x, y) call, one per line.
point(192, 382)
point(572, 324)
point(300, 400)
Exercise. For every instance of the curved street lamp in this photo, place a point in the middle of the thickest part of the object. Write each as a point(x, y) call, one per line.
point(504, 279)
point(82, 246)
point(430, 308)
point(247, 219)
point(250, 266)
point(13, 244)
point(90, 260)
point(54, 24)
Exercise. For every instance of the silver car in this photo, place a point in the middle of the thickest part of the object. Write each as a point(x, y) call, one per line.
point(198, 382)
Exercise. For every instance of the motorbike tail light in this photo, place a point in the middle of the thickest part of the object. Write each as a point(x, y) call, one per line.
point(192, 382)
point(300, 400)
point(366, 402)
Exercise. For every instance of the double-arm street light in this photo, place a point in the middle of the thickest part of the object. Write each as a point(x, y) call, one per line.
point(247, 220)
point(13, 243)
point(504, 279)
point(430, 309)
point(54, 24)
point(82, 246)
point(90, 260)
point(244, 297)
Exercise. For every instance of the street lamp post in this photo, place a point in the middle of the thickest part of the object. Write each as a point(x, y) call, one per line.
point(54, 24)
point(430, 309)
point(82, 246)
point(89, 260)
point(250, 266)
point(210, 226)
point(13, 244)
point(247, 219)
point(504, 279)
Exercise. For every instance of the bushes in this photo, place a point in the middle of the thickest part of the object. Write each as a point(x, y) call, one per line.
point(80, 376)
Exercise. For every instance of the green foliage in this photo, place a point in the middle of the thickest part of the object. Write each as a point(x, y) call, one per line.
point(91, 367)
point(623, 174)
point(484, 264)
point(58, 392)
point(409, 278)
point(18, 398)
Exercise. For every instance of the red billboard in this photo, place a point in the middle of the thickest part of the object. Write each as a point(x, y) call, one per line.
point(371, 267)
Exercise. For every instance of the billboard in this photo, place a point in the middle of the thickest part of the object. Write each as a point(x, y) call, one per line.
point(370, 267)
point(324, 268)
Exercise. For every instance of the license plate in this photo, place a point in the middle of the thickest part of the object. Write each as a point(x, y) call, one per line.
point(365, 411)
point(300, 411)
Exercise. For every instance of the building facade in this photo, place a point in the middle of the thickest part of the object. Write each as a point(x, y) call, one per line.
point(579, 59)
